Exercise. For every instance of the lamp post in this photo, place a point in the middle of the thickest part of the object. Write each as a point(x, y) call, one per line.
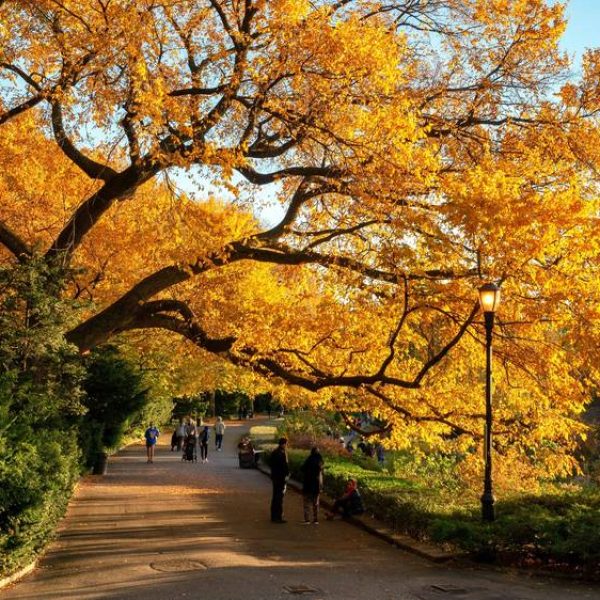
point(489, 298)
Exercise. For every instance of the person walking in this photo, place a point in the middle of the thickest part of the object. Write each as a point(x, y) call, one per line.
point(279, 472)
point(151, 435)
point(312, 469)
point(219, 431)
point(204, 435)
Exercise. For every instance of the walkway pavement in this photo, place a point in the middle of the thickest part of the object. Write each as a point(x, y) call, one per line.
point(173, 530)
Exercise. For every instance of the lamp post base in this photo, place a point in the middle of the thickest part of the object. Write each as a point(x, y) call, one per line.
point(487, 507)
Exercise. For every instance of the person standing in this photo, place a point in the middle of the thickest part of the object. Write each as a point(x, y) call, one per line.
point(380, 452)
point(313, 484)
point(180, 434)
point(204, 435)
point(151, 434)
point(219, 431)
point(191, 429)
point(279, 472)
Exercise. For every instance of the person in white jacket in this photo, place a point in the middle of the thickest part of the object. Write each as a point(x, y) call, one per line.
point(219, 431)
point(180, 435)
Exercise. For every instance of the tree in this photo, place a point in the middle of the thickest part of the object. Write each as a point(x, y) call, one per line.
point(191, 407)
point(115, 395)
point(416, 148)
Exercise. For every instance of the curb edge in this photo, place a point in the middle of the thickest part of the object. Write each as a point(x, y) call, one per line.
point(6, 581)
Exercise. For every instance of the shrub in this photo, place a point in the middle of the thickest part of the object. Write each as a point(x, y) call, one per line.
point(115, 396)
point(39, 406)
point(554, 528)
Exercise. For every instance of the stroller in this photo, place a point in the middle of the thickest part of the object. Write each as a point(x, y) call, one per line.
point(189, 449)
point(247, 455)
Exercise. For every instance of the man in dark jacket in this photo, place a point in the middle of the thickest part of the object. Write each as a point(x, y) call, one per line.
point(313, 484)
point(279, 472)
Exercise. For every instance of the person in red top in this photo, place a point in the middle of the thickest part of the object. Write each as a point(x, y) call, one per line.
point(350, 503)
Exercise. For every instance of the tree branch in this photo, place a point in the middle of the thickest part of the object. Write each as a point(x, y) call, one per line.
point(363, 432)
point(120, 186)
point(21, 108)
point(271, 367)
point(330, 235)
point(24, 76)
point(240, 42)
point(198, 91)
point(90, 167)
point(282, 254)
point(14, 243)
point(409, 416)
point(300, 196)
point(170, 305)
point(101, 326)
point(147, 319)
point(442, 353)
point(392, 343)
point(265, 178)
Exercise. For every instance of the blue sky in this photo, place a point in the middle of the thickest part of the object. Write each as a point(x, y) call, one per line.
point(583, 29)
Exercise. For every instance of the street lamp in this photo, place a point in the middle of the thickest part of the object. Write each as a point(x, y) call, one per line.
point(489, 298)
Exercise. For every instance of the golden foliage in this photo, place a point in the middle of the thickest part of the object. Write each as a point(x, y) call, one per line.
point(419, 149)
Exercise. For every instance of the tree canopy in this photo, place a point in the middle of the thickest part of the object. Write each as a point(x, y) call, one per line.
point(416, 148)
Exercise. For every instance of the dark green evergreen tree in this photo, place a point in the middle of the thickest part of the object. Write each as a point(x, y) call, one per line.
point(115, 395)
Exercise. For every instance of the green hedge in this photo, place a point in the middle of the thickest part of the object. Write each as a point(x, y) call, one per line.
point(556, 528)
point(40, 404)
point(36, 481)
point(58, 410)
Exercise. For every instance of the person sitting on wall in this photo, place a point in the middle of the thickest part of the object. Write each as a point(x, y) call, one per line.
point(349, 504)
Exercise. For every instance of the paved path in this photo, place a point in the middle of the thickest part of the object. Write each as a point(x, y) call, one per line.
point(172, 530)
